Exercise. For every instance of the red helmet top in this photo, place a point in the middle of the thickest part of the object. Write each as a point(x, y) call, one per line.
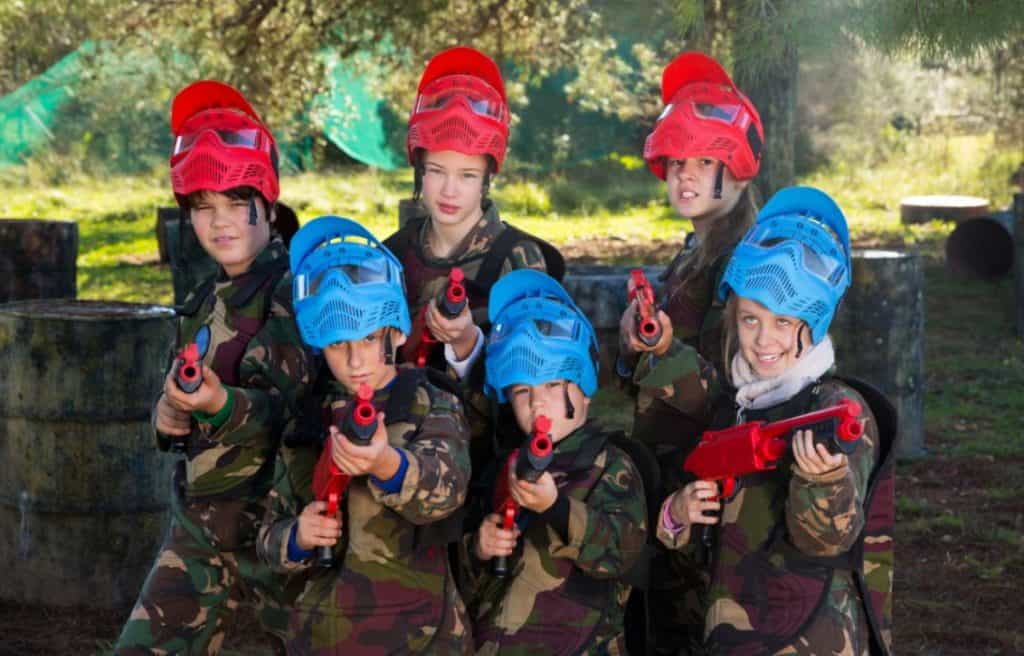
point(220, 143)
point(460, 106)
point(705, 115)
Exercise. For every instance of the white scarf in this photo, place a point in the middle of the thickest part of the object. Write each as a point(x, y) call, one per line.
point(755, 393)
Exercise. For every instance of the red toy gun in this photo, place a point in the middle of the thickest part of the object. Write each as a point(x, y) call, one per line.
point(187, 369)
point(450, 303)
point(648, 328)
point(724, 455)
point(531, 460)
point(329, 482)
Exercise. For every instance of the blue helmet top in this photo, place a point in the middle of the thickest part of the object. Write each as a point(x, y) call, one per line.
point(795, 259)
point(347, 284)
point(537, 335)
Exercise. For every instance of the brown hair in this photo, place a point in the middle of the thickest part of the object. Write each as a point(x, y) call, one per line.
point(725, 233)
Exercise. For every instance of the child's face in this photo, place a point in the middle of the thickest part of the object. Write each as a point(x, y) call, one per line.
point(529, 402)
point(363, 360)
point(768, 341)
point(222, 226)
point(453, 186)
point(691, 188)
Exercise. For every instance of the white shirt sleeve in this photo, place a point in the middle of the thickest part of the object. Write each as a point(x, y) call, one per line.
point(462, 367)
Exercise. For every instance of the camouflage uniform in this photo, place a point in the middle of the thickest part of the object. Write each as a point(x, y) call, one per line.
point(207, 563)
point(391, 590)
point(780, 576)
point(669, 415)
point(426, 277)
point(564, 593)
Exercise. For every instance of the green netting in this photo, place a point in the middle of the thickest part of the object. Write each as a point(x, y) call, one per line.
point(27, 114)
point(355, 121)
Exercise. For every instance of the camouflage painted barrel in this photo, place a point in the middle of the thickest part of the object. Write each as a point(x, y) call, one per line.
point(84, 493)
point(190, 264)
point(37, 259)
point(600, 291)
point(879, 335)
point(1018, 266)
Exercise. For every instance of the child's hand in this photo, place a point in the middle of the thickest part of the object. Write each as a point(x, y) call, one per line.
point(814, 459)
point(209, 398)
point(171, 420)
point(630, 343)
point(492, 540)
point(316, 530)
point(688, 504)
point(538, 496)
point(460, 332)
point(377, 458)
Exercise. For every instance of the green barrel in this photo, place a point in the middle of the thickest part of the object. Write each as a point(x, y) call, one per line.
point(84, 493)
point(190, 264)
point(37, 259)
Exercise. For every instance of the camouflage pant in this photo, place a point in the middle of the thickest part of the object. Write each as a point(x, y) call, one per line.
point(678, 599)
point(193, 591)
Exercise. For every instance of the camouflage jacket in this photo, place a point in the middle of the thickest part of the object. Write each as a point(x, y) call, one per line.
point(426, 277)
point(780, 570)
point(256, 350)
point(564, 594)
point(391, 590)
point(668, 406)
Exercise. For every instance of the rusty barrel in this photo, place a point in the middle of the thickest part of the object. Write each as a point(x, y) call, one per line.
point(879, 335)
point(37, 259)
point(982, 247)
point(84, 493)
point(600, 291)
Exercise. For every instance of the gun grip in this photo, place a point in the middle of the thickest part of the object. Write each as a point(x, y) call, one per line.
point(324, 556)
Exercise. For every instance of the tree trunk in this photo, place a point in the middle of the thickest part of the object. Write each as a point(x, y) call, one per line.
point(1018, 211)
point(771, 84)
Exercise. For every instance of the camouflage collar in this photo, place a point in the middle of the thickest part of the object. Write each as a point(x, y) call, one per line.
point(475, 244)
point(577, 450)
point(239, 290)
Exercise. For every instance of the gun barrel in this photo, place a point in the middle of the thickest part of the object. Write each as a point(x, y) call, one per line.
point(361, 421)
point(188, 370)
point(454, 299)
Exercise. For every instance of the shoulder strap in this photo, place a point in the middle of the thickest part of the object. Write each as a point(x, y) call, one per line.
point(400, 240)
point(194, 302)
point(490, 268)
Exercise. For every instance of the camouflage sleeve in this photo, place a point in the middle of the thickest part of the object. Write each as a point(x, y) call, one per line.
point(825, 512)
point(275, 374)
point(679, 378)
point(283, 508)
point(607, 532)
point(437, 477)
point(526, 254)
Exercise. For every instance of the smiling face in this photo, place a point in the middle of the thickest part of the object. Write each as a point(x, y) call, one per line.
point(691, 188)
point(531, 401)
point(221, 222)
point(453, 186)
point(362, 361)
point(768, 341)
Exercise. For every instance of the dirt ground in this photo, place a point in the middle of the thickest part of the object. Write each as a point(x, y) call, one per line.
point(957, 585)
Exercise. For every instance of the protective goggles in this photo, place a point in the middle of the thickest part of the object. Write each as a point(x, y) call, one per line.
point(476, 94)
point(347, 259)
point(565, 328)
point(232, 130)
point(823, 254)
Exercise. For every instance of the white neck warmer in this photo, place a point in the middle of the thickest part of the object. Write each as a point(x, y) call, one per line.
point(755, 393)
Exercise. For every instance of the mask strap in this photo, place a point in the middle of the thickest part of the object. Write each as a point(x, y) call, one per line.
point(570, 410)
point(799, 341)
point(486, 187)
point(389, 352)
point(253, 214)
point(717, 195)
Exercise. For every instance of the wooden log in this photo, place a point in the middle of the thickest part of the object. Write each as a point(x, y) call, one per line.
point(37, 259)
point(1018, 212)
point(192, 265)
point(84, 495)
point(879, 335)
point(921, 209)
point(983, 247)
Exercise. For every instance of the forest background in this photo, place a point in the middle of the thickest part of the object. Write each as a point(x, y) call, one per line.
point(871, 100)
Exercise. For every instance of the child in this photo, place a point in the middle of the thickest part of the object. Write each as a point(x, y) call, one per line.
point(390, 588)
point(458, 131)
point(254, 370)
point(785, 576)
point(707, 147)
point(583, 522)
